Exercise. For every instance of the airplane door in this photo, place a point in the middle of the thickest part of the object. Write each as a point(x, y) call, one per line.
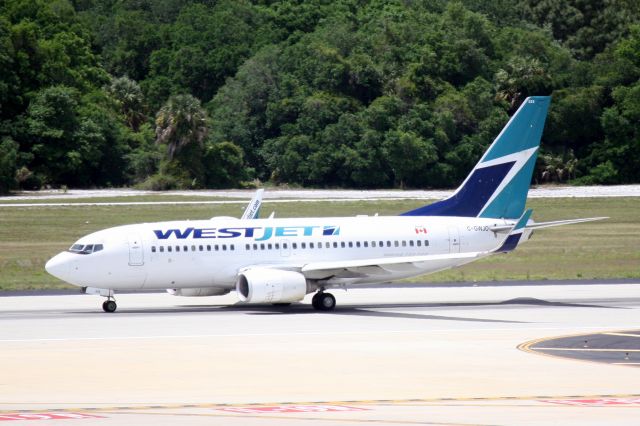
point(454, 239)
point(136, 255)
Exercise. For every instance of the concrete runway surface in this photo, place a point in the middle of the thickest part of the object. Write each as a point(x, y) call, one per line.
point(456, 355)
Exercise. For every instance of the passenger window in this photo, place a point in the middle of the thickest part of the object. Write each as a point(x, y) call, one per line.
point(177, 248)
point(327, 245)
point(232, 247)
point(342, 244)
point(395, 243)
point(216, 247)
point(208, 247)
point(261, 246)
point(303, 245)
point(224, 247)
point(294, 245)
point(284, 245)
point(200, 248)
point(185, 248)
point(388, 243)
point(310, 245)
point(335, 245)
point(373, 243)
point(269, 246)
point(357, 243)
point(411, 243)
point(255, 247)
point(350, 244)
point(161, 249)
point(404, 243)
point(169, 248)
point(366, 244)
point(247, 247)
point(193, 248)
point(153, 249)
point(419, 243)
point(426, 243)
point(277, 246)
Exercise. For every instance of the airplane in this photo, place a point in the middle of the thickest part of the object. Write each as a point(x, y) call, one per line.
point(280, 260)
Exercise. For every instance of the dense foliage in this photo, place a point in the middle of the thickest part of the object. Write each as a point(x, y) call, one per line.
point(350, 93)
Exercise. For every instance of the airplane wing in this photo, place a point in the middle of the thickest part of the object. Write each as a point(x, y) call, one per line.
point(540, 225)
point(253, 209)
point(378, 268)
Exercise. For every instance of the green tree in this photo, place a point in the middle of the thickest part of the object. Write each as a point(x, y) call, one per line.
point(180, 122)
point(128, 95)
point(8, 157)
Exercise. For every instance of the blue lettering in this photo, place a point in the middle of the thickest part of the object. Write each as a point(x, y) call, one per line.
point(284, 231)
point(204, 233)
point(308, 230)
point(180, 235)
point(267, 234)
point(248, 232)
point(229, 233)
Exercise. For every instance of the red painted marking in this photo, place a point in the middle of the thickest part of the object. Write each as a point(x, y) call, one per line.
point(421, 230)
point(47, 416)
point(291, 409)
point(598, 402)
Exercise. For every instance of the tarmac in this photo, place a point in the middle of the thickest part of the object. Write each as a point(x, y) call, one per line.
point(557, 353)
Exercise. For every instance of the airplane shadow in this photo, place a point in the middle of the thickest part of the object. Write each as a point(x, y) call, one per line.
point(366, 310)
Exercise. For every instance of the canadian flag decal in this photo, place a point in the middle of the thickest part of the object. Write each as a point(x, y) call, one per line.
point(421, 230)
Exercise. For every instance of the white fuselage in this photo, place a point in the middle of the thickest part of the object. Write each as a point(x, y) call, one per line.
point(211, 253)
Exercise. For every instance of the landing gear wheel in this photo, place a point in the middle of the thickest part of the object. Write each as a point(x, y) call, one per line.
point(314, 301)
point(324, 302)
point(109, 306)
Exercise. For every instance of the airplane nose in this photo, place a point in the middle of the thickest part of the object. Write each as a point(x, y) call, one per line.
point(60, 266)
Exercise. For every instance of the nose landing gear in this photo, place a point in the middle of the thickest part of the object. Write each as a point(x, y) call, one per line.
point(108, 305)
point(322, 301)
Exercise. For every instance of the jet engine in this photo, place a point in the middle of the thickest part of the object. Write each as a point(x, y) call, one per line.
point(262, 285)
point(198, 292)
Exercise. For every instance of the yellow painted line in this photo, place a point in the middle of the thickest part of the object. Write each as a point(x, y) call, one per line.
point(623, 334)
point(586, 349)
point(528, 346)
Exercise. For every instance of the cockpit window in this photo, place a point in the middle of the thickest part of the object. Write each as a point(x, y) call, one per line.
point(85, 249)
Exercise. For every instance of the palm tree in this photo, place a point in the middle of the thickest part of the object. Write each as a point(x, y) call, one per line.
point(128, 95)
point(180, 122)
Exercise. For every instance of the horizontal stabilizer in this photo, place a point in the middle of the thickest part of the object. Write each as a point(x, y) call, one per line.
point(540, 225)
point(563, 222)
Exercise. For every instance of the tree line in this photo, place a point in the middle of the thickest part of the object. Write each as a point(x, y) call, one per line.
point(345, 93)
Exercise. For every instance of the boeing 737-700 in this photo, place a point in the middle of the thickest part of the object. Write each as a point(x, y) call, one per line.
point(280, 261)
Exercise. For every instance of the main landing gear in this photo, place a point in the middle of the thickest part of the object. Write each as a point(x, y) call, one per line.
point(323, 301)
point(109, 305)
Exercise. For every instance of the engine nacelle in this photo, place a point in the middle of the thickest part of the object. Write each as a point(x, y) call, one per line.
point(198, 292)
point(262, 285)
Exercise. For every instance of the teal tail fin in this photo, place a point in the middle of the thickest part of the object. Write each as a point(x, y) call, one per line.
point(497, 187)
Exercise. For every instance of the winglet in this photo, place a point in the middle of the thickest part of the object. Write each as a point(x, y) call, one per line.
point(512, 240)
point(253, 209)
